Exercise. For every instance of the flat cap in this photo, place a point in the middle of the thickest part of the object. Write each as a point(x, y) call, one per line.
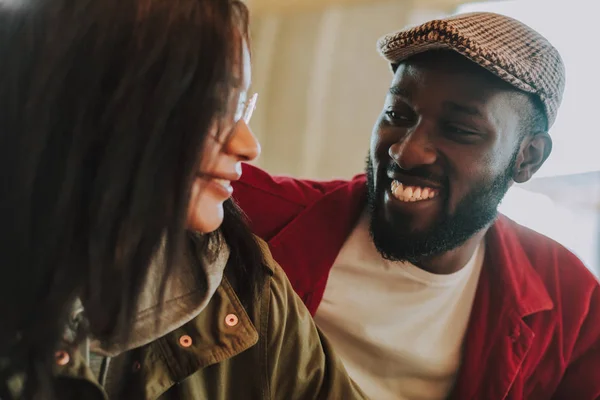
point(504, 46)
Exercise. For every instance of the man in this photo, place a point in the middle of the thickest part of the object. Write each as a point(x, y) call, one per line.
point(425, 292)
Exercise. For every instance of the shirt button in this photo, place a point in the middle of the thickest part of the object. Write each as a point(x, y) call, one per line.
point(185, 341)
point(62, 357)
point(231, 320)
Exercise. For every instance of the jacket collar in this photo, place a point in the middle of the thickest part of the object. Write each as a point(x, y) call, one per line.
point(210, 338)
point(508, 261)
point(187, 291)
point(215, 337)
point(509, 289)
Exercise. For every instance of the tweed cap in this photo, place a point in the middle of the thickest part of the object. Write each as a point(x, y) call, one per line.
point(504, 46)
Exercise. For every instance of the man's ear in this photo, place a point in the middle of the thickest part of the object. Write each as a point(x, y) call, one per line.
point(533, 152)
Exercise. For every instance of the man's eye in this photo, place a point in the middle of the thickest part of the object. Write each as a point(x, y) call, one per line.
point(458, 131)
point(460, 135)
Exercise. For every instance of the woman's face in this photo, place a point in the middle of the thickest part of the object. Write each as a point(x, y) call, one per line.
point(226, 148)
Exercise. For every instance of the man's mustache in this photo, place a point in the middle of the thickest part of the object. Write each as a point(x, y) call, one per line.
point(419, 172)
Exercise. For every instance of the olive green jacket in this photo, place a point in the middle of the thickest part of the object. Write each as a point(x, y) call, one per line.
point(271, 350)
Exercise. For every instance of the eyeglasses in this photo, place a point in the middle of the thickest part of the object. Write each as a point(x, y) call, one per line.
point(244, 112)
point(246, 109)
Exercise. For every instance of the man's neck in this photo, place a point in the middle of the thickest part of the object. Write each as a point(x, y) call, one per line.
point(453, 260)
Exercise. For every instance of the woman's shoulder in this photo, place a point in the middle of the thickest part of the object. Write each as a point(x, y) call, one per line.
point(292, 342)
point(270, 262)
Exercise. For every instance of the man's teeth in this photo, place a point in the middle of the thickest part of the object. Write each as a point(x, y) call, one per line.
point(412, 193)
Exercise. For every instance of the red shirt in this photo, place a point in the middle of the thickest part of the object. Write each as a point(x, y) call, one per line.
point(534, 331)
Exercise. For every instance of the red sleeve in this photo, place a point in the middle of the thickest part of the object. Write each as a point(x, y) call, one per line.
point(272, 202)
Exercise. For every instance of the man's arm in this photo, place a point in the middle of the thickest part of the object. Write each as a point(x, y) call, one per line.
point(270, 203)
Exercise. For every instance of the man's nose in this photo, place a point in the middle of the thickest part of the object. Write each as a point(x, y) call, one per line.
point(414, 149)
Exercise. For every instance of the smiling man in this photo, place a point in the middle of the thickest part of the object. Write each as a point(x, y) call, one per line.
point(425, 291)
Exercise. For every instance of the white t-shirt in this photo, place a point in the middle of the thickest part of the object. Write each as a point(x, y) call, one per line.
point(398, 329)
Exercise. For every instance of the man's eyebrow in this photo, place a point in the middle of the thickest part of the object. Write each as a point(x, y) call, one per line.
point(399, 91)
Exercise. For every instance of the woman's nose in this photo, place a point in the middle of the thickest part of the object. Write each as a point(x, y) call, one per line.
point(242, 143)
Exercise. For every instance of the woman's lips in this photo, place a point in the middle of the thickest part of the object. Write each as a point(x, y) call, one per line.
point(219, 185)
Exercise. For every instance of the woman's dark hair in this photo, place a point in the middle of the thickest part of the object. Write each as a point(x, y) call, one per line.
point(104, 110)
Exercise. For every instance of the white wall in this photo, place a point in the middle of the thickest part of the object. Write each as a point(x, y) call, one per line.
point(321, 85)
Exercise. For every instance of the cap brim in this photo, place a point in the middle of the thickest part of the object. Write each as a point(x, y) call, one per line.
point(404, 53)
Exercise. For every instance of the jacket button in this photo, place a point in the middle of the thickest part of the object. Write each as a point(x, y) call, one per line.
point(62, 357)
point(185, 341)
point(515, 335)
point(231, 320)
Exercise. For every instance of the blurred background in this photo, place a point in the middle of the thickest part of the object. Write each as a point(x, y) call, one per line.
point(321, 86)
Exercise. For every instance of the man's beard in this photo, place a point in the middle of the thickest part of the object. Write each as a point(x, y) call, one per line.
point(474, 212)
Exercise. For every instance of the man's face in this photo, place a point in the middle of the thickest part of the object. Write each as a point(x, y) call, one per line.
point(443, 154)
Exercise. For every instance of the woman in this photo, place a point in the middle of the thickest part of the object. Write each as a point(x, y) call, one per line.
point(127, 271)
